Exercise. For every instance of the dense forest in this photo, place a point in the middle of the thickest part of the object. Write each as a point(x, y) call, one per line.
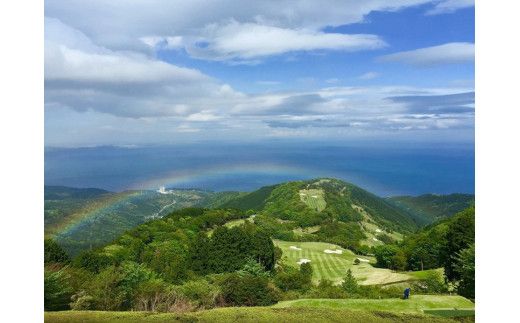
point(449, 244)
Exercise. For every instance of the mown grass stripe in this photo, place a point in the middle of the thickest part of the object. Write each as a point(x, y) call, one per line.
point(340, 265)
point(323, 270)
point(328, 266)
point(326, 272)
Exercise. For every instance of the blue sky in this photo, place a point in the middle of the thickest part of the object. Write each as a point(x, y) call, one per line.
point(161, 72)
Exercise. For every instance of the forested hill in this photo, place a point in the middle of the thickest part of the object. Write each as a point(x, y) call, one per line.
point(311, 202)
point(83, 218)
point(326, 209)
point(429, 208)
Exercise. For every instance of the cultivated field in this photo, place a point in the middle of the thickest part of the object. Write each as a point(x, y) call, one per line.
point(333, 266)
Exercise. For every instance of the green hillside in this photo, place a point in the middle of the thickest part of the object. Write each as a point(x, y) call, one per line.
point(250, 201)
point(340, 212)
point(311, 202)
point(81, 219)
point(429, 208)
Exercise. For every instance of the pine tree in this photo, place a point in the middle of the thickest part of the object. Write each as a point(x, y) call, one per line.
point(350, 284)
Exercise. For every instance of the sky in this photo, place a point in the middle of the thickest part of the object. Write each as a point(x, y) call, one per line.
point(148, 72)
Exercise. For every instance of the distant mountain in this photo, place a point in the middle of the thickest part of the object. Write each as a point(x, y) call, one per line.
point(429, 208)
point(63, 192)
point(81, 218)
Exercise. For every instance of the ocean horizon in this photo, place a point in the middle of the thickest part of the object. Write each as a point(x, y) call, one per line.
point(384, 169)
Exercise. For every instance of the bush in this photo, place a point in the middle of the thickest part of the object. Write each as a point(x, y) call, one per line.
point(433, 283)
point(326, 289)
point(248, 290)
point(82, 302)
point(201, 293)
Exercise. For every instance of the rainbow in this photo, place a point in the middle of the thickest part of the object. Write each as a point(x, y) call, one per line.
point(177, 178)
point(89, 213)
point(174, 178)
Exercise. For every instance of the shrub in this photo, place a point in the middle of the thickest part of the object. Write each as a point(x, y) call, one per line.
point(200, 293)
point(82, 302)
point(248, 290)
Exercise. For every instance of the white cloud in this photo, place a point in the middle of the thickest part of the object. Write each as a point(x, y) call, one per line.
point(103, 85)
point(450, 6)
point(369, 76)
point(449, 53)
point(250, 41)
point(140, 24)
point(81, 75)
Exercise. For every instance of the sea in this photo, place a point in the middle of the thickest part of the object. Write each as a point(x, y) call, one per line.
point(386, 169)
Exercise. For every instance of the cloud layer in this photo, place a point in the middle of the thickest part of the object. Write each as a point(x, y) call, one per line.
point(104, 83)
point(451, 53)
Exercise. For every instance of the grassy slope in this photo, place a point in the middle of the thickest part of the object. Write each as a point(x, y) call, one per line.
point(380, 209)
point(245, 314)
point(314, 198)
point(372, 230)
point(249, 201)
point(416, 304)
point(80, 218)
point(334, 266)
point(428, 208)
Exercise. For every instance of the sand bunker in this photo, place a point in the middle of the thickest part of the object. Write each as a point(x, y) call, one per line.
point(375, 239)
point(303, 261)
point(314, 196)
point(339, 252)
point(295, 248)
point(363, 260)
point(378, 230)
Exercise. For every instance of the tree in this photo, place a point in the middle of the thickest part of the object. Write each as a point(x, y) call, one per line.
point(199, 253)
point(385, 255)
point(106, 290)
point(288, 278)
point(54, 253)
point(57, 291)
point(92, 261)
point(465, 269)
point(460, 235)
point(168, 258)
point(306, 272)
point(398, 261)
point(350, 284)
point(252, 267)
